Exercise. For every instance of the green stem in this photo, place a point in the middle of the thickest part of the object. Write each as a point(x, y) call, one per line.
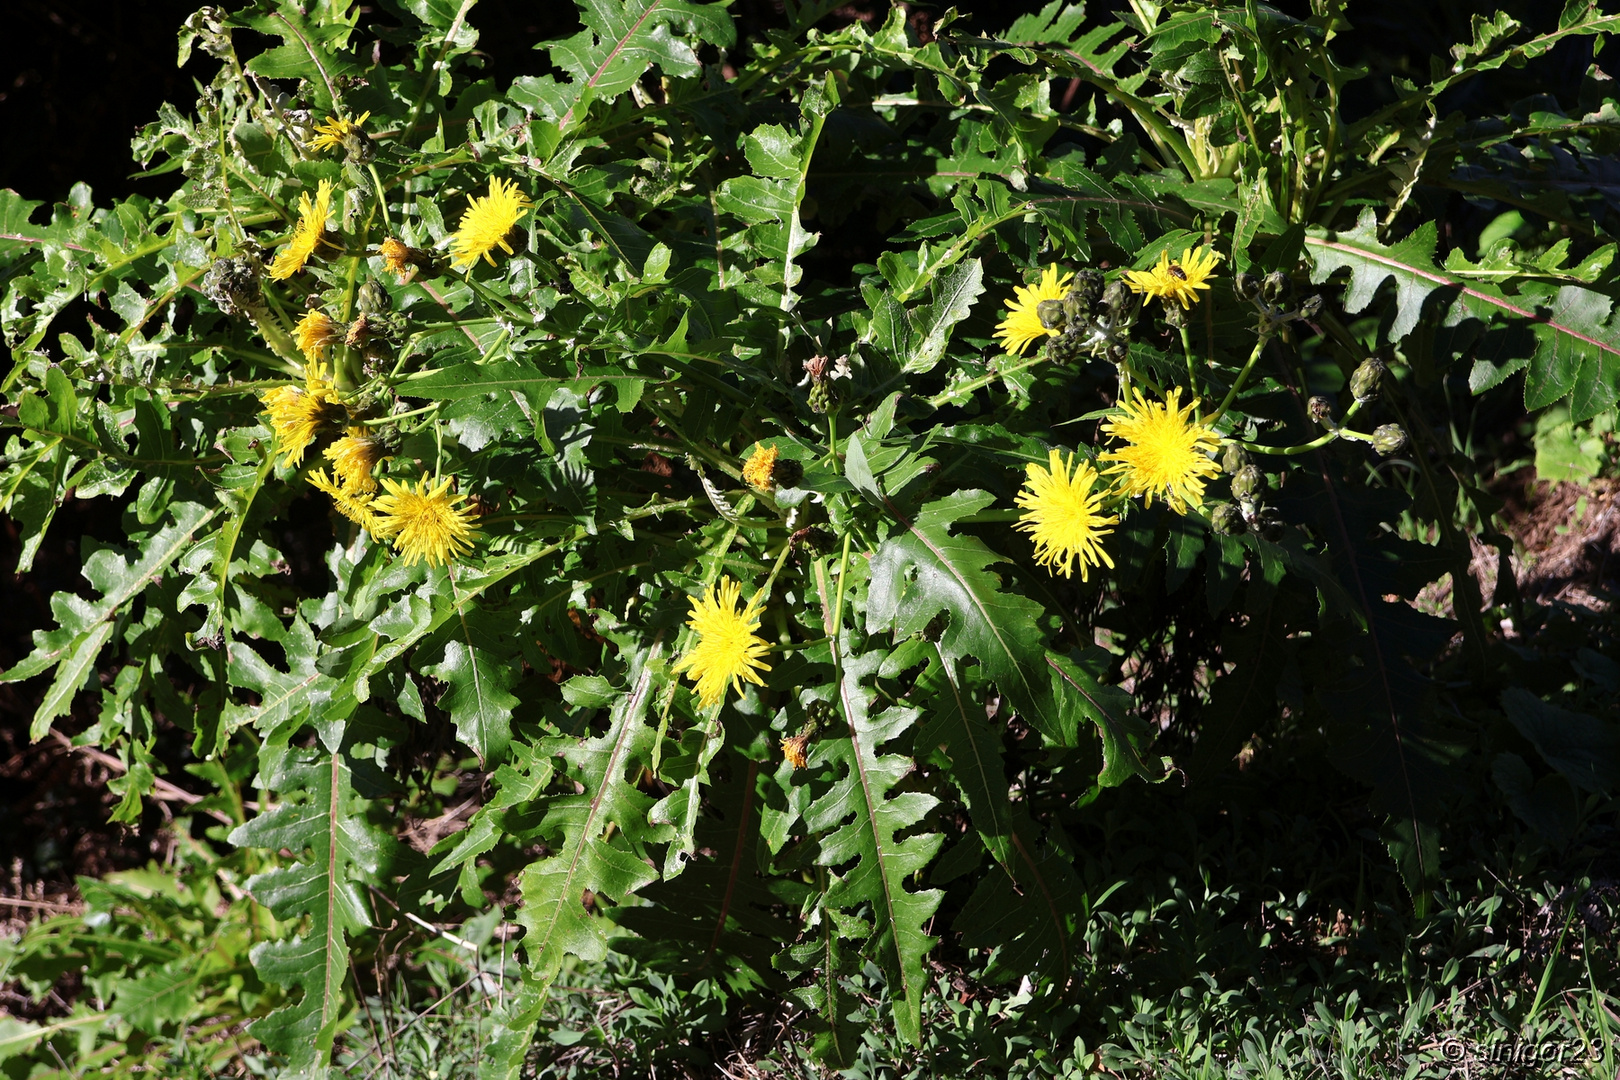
point(1303, 448)
point(382, 194)
point(1237, 385)
point(394, 417)
point(1192, 367)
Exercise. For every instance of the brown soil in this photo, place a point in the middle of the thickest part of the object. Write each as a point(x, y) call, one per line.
point(1567, 543)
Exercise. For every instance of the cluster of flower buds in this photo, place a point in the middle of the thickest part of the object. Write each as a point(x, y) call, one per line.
point(1249, 511)
point(1364, 387)
point(1272, 297)
point(375, 328)
point(819, 375)
point(1092, 320)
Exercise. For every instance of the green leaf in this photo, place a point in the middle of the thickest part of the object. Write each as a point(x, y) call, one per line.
point(86, 625)
point(951, 298)
point(1584, 749)
point(622, 40)
point(859, 818)
point(478, 700)
point(970, 747)
point(1576, 351)
point(925, 570)
point(1109, 708)
point(582, 856)
point(719, 916)
point(318, 817)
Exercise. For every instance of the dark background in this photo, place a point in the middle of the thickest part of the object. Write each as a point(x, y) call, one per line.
point(78, 77)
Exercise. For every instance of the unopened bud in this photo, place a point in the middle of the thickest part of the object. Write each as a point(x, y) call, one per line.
point(1066, 348)
point(1271, 526)
point(1116, 296)
point(1083, 297)
point(1117, 352)
point(1320, 409)
point(1312, 307)
point(1050, 312)
point(1364, 383)
point(1227, 520)
point(1233, 459)
point(1175, 316)
point(1246, 285)
point(373, 299)
point(1388, 438)
point(233, 284)
point(1277, 287)
point(1249, 483)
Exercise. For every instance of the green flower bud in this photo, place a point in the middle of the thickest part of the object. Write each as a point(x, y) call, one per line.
point(1117, 352)
point(1116, 297)
point(1083, 295)
point(821, 397)
point(1388, 438)
point(1364, 384)
point(1249, 483)
point(373, 298)
point(1246, 285)
point(1312, 307)
point(1271, 526)
point(1320, 409)
point(1066, 348)
point(1233, 459)
point(1175, 316)
point(1227, 520)
point(1277, 287)
point(1050, 312)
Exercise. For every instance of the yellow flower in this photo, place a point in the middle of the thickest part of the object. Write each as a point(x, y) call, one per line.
point(353, 505)
point(760, 465)
point(425, 523)
point(306, 234)
point(794, 750)
point(1167, 452)
point(297, 416)
point(314, 333)
point(330, 133)
point(1176, 282)
point(353, 457)
point(727, 650)
point(1022, 324)
point(486, 222)
point(401, 260)
point(1065, 515)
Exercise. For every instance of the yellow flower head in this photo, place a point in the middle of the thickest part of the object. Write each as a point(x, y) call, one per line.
point(727, 650)
point(794, 750)
point(1022, 324)
point(330, 133)
point(486, 222)
point(1167, 451)
point(1176, 282)
point(353, 457)
point(298, 416)
point(401, 260)
point(760, 466)
point(425, 522)
point(355, 506)
point(306, 234)
point(1065, 515)
point(314, 333)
